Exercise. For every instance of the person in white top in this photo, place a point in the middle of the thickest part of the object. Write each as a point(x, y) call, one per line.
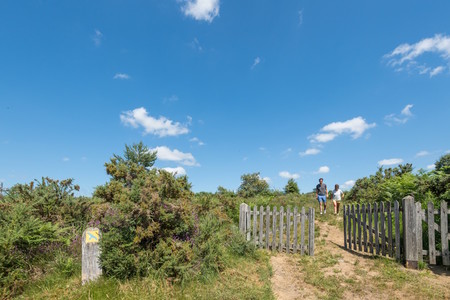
point(337, 196)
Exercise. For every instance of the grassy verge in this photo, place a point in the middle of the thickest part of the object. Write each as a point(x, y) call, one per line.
point(244, 278)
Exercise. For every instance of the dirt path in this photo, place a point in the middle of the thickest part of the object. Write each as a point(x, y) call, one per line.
point(354, 275)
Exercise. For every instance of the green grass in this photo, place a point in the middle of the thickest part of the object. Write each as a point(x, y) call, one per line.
point(244, 278)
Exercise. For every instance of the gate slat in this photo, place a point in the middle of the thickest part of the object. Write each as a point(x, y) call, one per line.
point(248, 228)
point(274, 228)
point(295, 229)
point(375, 225)
point(254, 224)
point(345, 226)
point(354, 226)
point(280, 248)
point(444, 234)
point(364, 215)
point(389, 219)
point(397, 230)
point(288, 229)
point(261, 220)
point(349, 231)
point(383, 231)
point(302, 231)
point(359, 227)
point(431, 236)
point(369, 220)
point(267, 226)
point(419, 232)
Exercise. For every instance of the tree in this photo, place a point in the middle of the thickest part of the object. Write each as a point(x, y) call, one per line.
point(136, 160)
point(291, 187)
point(443, 164)
point(252, 185)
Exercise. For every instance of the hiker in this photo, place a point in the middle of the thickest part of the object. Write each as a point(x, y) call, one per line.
point(337, 194)
point(321, 194)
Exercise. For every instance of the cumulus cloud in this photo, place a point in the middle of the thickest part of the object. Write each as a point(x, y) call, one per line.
point(323, 170)
point(97, 37)
point(266, 179)
point(157, 126)
point(310, 151)
point(65, 159)
point(406, 56)
point(390, 162)
point(176, 171)
point(201, 10)
point(287, 175)
point(122, 76)
point(256, 62)
point(164, 153)
point(422, 153)
point(348, 184)
point(402, 118)
point(355, 127)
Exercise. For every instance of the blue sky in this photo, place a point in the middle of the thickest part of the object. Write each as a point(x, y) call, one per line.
point(301, 89)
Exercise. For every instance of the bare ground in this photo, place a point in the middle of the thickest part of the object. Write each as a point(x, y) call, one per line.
point(357, 275)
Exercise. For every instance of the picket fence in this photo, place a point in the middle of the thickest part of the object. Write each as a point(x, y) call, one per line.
point(375, 228)
point(277, 229)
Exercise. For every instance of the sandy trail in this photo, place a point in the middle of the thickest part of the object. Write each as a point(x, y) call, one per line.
point(288, 280)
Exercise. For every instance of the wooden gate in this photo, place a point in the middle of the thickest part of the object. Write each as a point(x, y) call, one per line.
point(375, 228)
point(277, 229)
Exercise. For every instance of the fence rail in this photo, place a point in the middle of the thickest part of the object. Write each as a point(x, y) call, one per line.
point(277, 229)
point(375, 228)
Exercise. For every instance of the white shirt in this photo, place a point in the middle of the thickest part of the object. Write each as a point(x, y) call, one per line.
point(337, 194)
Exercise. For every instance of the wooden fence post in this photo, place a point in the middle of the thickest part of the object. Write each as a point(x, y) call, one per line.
point(364, 213)
point(90, 254)
point(369, 220)
point(409, 232)
point(280, 248)
point(255, 213)
point(311, 231)
point(267, 226)
point(302, 231)
point(444, 234)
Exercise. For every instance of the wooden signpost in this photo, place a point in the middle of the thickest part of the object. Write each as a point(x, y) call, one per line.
point(90, 250)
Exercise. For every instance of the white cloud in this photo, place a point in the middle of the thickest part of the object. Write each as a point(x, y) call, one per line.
point(97, 38)
point(287, 175)
point(310, 151)
point(195, 44)
point(407, 55)
point(436, 71)
point(404, 116)
point(422, 153)
point(390, 162)
point(173, 98)
point(160, 127)
point(266, 179)
point(348, 184)
point(323, 170)
point(262, 148)
point(201, 10)
point(355, 127)
point(196, 140)
point(300, 17)
point(256, 62)
point(164, 153)
point(65, 159)
point(176, 171)
point(431, 167)
point(121, 76)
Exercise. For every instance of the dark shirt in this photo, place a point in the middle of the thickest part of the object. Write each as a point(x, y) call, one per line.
point(321, 189)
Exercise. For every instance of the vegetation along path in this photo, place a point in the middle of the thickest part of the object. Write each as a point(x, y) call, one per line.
point(336, 273)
